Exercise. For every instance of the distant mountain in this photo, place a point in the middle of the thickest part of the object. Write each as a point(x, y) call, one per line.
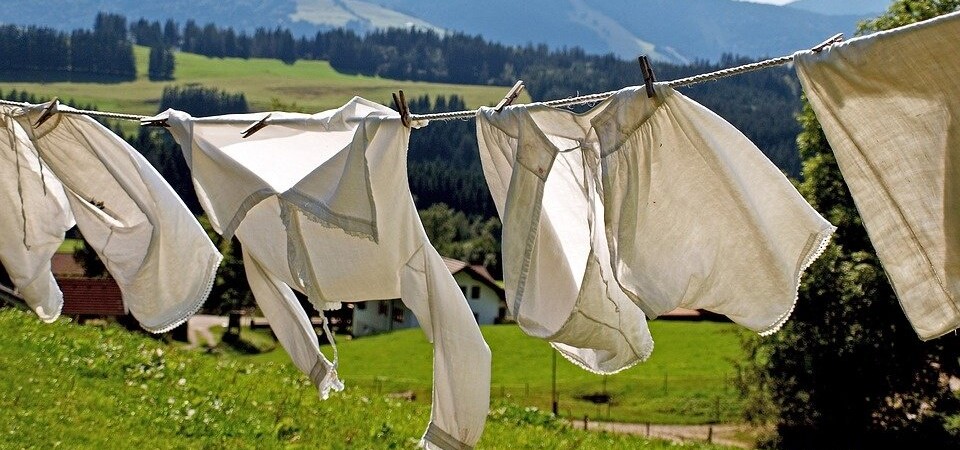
point(670, 30)
point(866, 8)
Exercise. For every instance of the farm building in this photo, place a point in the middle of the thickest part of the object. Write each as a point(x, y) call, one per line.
point(485, 297)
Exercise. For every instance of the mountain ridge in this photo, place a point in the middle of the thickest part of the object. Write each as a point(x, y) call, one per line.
point(699, 30)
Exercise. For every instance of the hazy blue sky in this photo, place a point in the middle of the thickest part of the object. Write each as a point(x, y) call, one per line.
point(772, 2)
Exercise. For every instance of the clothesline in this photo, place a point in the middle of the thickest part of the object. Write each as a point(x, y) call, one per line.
point(571, 101)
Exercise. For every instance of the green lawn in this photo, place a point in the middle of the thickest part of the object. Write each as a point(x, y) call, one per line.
point(69, 245)
point(687, 380)
point(310, 86)
point(69, 386)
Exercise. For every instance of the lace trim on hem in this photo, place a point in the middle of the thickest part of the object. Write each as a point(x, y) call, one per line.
point(824, 240)
point(197, 303)
point(579, 363)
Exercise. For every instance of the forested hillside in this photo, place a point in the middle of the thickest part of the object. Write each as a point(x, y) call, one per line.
point(761, 104)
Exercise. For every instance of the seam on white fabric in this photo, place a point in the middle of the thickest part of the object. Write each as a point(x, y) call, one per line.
point(246, 205)
point(298, 262)
point(211, 279)
point(323, 215)
point(532, 235)
point(822, 241)
point(442, 439)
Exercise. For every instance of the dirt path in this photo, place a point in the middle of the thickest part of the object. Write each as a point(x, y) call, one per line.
point(718, 434)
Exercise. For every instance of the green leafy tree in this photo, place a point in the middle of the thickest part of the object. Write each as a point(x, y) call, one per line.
point(475, 240)
point(848, 371)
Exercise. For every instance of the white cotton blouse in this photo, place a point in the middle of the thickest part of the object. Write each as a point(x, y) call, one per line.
point(889, 104)
point(634, 208)
point(151, 244)
point(321, 204)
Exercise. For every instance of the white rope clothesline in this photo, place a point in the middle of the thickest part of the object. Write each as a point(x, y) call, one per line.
point(579, 100)
point(592, 98)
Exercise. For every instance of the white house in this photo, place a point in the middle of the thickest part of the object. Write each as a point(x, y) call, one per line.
point(485, 297)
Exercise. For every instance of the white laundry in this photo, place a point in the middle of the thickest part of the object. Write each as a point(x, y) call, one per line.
point(146, 237)
point(637, 207)
point(35, 217)
point(696, 216)
point(541, 166)
point(321, 204)
point(889, 104)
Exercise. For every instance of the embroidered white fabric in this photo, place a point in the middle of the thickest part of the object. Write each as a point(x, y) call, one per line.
point(35, 217)
point(306, 197)
point(146, 237)
point(888, 103)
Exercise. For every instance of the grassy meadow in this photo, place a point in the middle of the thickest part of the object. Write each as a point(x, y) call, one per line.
point(687, 380)
point(309, 86)
point(69, 386)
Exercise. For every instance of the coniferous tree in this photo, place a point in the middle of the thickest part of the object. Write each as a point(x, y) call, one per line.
point(171, 34)
point(161, 64)
point(848, 371)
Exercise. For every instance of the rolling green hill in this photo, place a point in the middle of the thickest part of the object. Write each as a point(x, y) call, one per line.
point(69, 386)
point(309, 86)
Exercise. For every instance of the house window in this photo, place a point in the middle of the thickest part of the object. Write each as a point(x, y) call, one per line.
point(399, 311)
point(475, 292)
point(382, 308)
point(362, 305)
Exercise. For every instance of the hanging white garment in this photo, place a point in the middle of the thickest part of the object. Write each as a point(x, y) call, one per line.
point(696, 216)
point(160, 257)
point(889, 104)
point(693, 215)
point(34, 219)
point(321, 204)
point(541, 165)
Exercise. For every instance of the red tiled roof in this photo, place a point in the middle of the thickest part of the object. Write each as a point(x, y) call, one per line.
point(91, 296)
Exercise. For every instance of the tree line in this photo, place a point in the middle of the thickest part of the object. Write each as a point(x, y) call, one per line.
point(103, 52)
point(761, 104)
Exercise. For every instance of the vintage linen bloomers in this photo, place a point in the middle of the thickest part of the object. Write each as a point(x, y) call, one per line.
point(151, 244)
point(321, 204)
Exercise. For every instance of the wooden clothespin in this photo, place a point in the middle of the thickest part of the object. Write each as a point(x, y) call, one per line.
point(48, 112)
point(257, 126)
point(402, 108)
point(156, 121)
point(833, 40)
point(648, 77)
point(512, 95)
